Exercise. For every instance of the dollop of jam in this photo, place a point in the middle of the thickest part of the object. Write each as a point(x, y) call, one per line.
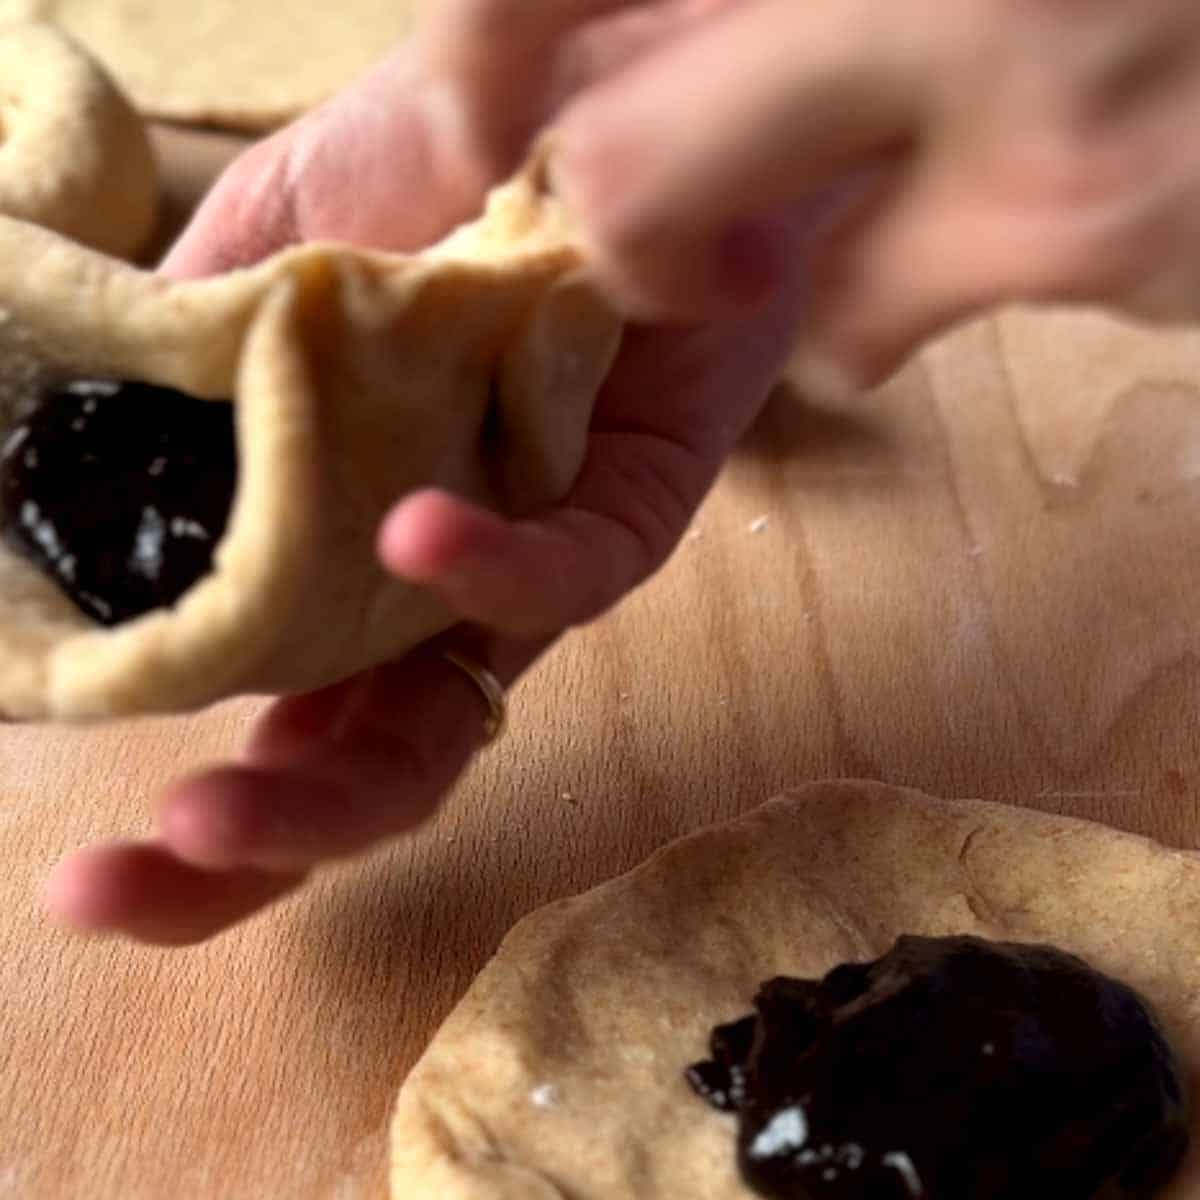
point(950, 1069)
point(120, 491)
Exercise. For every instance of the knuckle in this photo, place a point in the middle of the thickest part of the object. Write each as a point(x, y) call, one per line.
point(657, 503)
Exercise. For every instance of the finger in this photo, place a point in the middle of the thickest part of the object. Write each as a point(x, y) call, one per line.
point(332, 774)
point(490, 37)
point(947, 249)
point(377, 166)
point(407, 151)
point(600, 48)
point(891, 276)
point(529, 578)
point(143, 891)
point(502, 64)
point(512, 64)
point(673, 406)
point(404, 153)
point(821, 89)
point(245, 216)
point(537, 577)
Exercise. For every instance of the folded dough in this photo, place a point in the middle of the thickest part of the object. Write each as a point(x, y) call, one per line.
point(560, 1073)
point(356, 377)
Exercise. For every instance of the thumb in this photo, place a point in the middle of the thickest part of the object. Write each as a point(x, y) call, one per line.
point(247, 215)
point(376, 166)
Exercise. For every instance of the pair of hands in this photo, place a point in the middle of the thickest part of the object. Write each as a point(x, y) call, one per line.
point(742, 169)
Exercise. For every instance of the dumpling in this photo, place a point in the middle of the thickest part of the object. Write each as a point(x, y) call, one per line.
point(354, 377)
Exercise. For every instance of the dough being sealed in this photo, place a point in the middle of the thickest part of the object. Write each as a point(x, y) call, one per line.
point(74, 155)
point(561, 1072)
point(356, 377)
point(243, 64)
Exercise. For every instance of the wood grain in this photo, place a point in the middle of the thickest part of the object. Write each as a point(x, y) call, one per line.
point(980, 580)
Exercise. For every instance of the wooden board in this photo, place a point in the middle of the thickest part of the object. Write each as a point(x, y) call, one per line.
point(981, 581)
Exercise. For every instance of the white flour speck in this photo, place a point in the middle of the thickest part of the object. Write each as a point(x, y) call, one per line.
point(545, 1095)
point(92, 387)
point(101, 606)
point(14, 441)
point(147, 555)
point(787, 1130)
point(182, 527)
point(900, 1161)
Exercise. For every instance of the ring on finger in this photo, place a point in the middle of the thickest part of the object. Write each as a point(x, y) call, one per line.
point(489, 687)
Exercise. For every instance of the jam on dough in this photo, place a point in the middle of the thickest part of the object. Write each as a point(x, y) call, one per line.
point(120, 491)
point(949, 1068)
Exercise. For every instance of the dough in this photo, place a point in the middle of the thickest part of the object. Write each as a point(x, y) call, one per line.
point(74, 156)
point(357, 377)
point(246, 64)
point(559, 1074)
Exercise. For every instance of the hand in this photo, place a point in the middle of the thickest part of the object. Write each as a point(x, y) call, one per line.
point(995, 150)
point(396, 161)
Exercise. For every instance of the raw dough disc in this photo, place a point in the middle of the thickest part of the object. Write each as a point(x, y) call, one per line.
point(246, 64)
point(74, 156)
point(560, 1074)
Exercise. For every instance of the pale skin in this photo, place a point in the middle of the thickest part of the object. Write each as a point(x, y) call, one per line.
point(742, 169)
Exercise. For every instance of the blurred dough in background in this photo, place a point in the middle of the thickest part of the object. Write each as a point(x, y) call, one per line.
point(241, 64)
point(74, 155)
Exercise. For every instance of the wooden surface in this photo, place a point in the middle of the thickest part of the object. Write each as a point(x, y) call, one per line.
point(983, 580)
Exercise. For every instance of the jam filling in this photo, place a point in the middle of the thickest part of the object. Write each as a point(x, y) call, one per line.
point(120, 491)
point(950, 1069)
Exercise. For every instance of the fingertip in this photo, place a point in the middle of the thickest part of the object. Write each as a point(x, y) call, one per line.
point(860, 341)
point(141, 890)
point(411, 538)
point(81, 894)
point(102, 889)
point(479, 566)
point(429, 533)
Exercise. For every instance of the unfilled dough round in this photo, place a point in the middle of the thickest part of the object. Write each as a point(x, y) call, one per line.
point(74, 156)
point(561, 1072)
point(243, 64)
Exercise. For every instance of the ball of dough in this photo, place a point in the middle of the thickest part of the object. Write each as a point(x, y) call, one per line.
point(74, 155)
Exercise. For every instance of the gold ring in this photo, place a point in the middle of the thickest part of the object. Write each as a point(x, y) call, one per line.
point(490, 689)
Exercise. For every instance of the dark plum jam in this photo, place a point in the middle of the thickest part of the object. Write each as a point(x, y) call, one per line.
point(950, 1069)
point(120, 491)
